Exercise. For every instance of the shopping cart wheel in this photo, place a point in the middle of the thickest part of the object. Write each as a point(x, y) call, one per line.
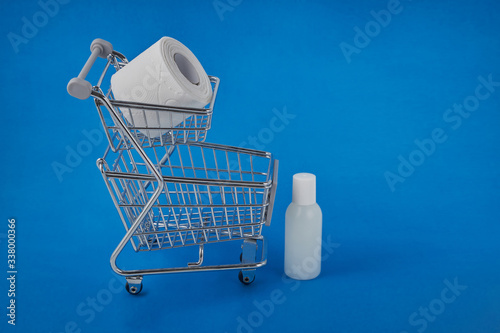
point(246, 278)
point(133, 289)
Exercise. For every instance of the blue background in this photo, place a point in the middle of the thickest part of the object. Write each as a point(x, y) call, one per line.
point(352, 121)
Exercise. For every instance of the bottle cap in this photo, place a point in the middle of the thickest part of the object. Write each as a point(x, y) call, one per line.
point(304, 189)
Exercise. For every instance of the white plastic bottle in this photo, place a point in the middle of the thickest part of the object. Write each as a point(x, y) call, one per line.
point(303, 225)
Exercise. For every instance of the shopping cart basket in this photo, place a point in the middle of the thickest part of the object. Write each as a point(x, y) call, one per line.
point(196, 121)
point(176, 190)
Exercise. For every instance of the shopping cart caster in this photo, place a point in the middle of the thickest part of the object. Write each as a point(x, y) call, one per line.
point(246, 277)
point(247, 256)
point(134, 285)
point(133, 290)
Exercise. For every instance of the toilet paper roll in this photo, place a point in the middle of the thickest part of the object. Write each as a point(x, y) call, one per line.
point(167, 73)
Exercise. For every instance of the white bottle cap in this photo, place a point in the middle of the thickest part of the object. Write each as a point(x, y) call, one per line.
point(304, 189)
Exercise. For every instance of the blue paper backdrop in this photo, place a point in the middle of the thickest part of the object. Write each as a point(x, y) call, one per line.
point(388, 103)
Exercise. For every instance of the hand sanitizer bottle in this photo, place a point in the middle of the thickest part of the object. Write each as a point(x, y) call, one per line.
point(303, 224)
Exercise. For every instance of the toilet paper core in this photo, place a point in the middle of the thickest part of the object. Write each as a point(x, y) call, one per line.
point(186, 68)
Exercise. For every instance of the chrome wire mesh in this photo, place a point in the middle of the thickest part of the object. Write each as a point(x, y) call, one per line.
point(211, 193)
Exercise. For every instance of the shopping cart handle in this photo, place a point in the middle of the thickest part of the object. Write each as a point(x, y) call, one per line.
point(79, 87)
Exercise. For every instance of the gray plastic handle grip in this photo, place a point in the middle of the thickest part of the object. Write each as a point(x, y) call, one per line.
point(80, 88)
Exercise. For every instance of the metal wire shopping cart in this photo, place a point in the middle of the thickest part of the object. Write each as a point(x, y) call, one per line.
point(174, 190)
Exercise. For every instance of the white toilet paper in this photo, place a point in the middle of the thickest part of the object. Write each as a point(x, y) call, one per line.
point(167, 73)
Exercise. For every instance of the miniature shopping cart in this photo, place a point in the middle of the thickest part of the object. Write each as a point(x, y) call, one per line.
point(175, 190)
